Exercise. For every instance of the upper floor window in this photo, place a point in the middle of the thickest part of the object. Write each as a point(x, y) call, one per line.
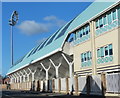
point(107, 18)
point(82, 34)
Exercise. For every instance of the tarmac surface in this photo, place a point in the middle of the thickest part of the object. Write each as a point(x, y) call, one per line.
point(30, 94)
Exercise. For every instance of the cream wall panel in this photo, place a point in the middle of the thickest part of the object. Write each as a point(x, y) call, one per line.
point(108, 38)
point(77, 50)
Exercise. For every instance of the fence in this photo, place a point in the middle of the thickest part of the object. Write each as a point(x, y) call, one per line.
point(95, 84)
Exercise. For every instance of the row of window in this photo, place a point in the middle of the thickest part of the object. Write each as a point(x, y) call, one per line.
point(86, 56)
point(105, 51)
point(107, 19)
point(82, 32)
point(102, 52)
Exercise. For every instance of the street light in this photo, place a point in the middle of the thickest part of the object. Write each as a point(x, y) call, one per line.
point(12, 22)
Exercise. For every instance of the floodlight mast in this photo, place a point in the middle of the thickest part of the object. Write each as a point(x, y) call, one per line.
point(12, 22)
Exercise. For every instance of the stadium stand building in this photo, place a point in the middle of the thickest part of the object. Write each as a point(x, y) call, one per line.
point(86, 46)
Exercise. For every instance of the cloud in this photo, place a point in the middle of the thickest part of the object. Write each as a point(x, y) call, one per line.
point(31, 27)
point(58, 22)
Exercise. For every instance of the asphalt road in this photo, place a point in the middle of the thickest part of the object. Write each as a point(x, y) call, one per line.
point(28, 94)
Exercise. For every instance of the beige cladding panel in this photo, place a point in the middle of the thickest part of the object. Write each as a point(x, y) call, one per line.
point(108, 38)
point(77, 50)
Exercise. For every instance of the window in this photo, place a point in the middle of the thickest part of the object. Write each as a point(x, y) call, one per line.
point(98, 52)
point(88, 56)
point(114, 15)
point(109, 18)
point(87, 29)
point(85, 56)
point(84, 31)
point(104, 20)
point(82, 57)
point(74, 36)
point(110, 50)
point(77, 34)
point(119, 13)
point(86, 59)
point(102, 51)
point(100, 22)
point(106, 50)
point(97, 24)
point(81, 32)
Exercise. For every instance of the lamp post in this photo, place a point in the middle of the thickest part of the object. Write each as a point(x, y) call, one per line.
point(12, 22)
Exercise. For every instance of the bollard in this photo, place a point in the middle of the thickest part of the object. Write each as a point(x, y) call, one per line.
point(67, 86)
point(59, 85)
point(76, 85)
point(103, 83)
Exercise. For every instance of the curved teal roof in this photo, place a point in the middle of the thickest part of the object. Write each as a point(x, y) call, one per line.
point(56, 41)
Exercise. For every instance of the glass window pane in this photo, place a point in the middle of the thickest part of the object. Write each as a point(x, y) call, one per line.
point(98, 52)
point(90, 54)
point(114, 15)
point(109, 18)
point(106, 50)
point(102, 51)
point(88, 28)
point(104, 20)
point(97, 24)
point(88, 57)
point(80, 33)
point(85, 56)
point(74, 37)
point(81, 57)
point(119, 13)
point(110, 50)
point(84, 31)
point(100, 22)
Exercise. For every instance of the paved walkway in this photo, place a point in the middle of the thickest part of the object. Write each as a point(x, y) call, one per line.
point(29, 94)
